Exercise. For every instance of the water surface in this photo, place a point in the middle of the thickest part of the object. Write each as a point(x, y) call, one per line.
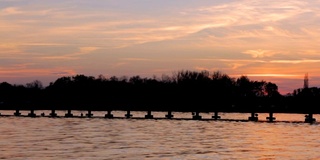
point(99, 138)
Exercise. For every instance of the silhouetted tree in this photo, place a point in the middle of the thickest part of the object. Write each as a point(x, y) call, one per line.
point(271, 89)
point(36, 84)
point(185, 90)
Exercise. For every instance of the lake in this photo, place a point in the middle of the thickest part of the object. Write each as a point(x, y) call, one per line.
point(99, 138)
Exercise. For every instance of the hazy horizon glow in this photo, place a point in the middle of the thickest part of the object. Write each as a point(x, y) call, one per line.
point(275, 41)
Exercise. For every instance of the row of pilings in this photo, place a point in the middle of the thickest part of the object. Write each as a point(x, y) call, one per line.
point(195, 115)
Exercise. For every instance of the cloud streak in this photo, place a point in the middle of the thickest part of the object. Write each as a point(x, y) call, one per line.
point(271, 38)
point(129, 30)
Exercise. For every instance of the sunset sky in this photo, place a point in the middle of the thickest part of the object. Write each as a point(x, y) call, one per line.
point(276, 41)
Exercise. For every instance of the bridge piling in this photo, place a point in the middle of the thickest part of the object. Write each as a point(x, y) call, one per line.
point(169, 115)
point(32, 114)
point(53, 113)
point(216, 116)
point(69, 114)
point(89, 114)
point(309, 118)
point(196, 116)
point(128, 115)
point(149, 115)
point(253, 117)
point(17, 113)
point(109, 114)
point(271, 118)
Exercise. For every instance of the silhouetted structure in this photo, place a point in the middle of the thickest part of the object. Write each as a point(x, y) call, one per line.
point(185, 91)
point(306, 81)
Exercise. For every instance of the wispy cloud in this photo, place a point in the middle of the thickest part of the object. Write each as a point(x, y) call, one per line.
point(63, 72)
point(271, 38)
point(273, 75)
point(10, 11)
point(136, 59)
point(296, 61)
point(29, 70)
point(127, 30)
point(254, 12)
point(259, 53)
point(72, 56)
point(86, 50)
point(9, 49)
point(119, 64)
point(200, 68)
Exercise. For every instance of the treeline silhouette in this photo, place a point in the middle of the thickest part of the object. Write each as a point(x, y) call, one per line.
point(183, 91)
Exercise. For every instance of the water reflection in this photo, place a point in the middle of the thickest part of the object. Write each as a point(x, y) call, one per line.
point(99, 138)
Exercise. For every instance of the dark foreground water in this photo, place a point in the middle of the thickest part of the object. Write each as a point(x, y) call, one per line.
point(98, 138)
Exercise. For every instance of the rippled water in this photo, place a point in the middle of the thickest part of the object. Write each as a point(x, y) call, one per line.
point(98, 138)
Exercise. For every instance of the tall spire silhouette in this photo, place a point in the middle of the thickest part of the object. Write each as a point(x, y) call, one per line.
point(306, 81)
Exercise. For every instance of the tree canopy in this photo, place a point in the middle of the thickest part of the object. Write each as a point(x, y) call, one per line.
point(183, 91)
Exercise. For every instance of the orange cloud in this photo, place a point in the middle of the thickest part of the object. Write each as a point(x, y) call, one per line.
point(24, 71)
point(136, 59)
point(259, 53)
point(296, 61)
point(10, 11)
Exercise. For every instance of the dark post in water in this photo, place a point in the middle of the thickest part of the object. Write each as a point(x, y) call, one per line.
point(216, 116)
point(53, 113)
point(309, 118)
point(128, 115)
point(253, 117)
point(17, 113)
point(32, 114)
point(196, 116)
point(89, 114)
point(69, 114)
point(108, 115)
point(271, 118)
point(149, 115)
point(169, 115)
